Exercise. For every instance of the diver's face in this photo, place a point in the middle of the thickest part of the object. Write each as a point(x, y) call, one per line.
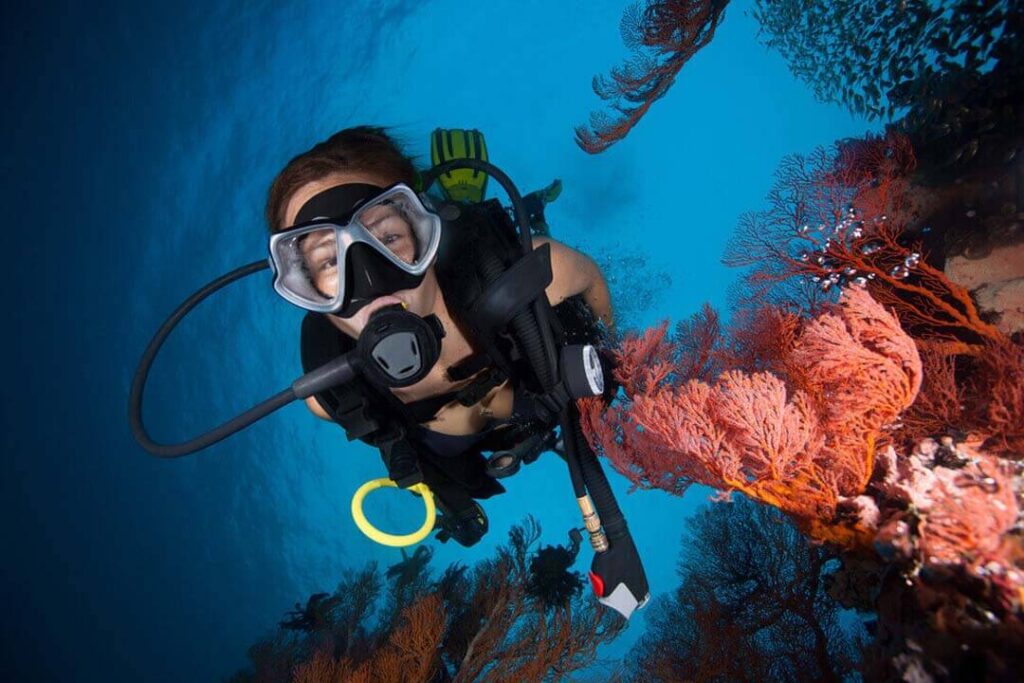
point(384, 222)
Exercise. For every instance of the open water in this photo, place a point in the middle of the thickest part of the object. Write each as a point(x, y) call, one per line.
point(140, 142)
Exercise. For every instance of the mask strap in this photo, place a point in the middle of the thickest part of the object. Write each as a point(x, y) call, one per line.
point(338, 202)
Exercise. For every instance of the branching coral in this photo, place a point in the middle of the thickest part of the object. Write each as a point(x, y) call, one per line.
point(841, 216)
point(980, 394)
point(750, 583)
point(664, 35)
point(410, 654)
point(503, 634)
point(798, 447)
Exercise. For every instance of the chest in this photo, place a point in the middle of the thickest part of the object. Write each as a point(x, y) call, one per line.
point(454, 418)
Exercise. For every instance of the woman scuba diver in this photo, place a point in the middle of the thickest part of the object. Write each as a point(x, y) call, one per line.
point(430, 334)
point(448, 421)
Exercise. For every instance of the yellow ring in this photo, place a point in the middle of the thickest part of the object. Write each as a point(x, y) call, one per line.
point(375, 534)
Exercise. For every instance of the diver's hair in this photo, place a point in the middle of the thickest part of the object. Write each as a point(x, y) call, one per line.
point(368, 149)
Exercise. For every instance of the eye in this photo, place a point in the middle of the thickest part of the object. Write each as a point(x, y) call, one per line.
point(328, 264)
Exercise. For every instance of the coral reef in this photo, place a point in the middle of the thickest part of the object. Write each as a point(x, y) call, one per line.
point(798, 441)
point(871, 384)
point(874, 401)
point(815, 429)
point(750, 582)
point(518, 615)
point(843, 216)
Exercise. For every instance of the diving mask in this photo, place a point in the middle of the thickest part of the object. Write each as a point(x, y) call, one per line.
point(352, 244)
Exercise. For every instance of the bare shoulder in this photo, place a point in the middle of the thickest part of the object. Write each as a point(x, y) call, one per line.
point(315, 408)
point(572, 271)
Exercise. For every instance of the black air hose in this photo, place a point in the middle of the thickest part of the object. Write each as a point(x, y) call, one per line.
point(597, 483)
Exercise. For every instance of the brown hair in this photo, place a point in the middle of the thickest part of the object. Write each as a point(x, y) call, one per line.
point(363, 148)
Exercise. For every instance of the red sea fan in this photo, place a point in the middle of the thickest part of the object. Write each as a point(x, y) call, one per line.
point(840, 216)
point(664, 35)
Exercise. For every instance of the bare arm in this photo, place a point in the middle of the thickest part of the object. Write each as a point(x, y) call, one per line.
point(576, 273)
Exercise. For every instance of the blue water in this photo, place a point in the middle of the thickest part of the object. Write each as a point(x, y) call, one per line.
point(140, 144)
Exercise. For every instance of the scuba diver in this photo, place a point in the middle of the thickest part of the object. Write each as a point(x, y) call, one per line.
point(437, 330)
point(464, 405)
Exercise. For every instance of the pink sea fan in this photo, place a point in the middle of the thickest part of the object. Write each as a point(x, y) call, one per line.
point(797, 442)
point(864, 371)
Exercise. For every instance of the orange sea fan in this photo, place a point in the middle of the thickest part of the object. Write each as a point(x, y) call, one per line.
point(642, 361)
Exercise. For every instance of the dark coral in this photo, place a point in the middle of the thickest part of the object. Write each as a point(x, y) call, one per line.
point(479, 624)
point(664, 35)
point(551, 581)
point(750, 583)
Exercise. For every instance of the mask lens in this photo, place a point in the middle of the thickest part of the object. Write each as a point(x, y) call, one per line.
point(390, 222)
point(385, 246)
point(319, 253)
point(309, 265)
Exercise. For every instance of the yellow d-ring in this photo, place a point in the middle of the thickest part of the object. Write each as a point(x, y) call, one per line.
point(375, 534)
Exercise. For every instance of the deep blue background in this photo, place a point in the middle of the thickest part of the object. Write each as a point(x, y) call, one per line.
point(139, 146)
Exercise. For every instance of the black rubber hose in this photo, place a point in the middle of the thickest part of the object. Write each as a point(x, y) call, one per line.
point(255, 413)
point(612, 519)
point(534, 346)
point(238, 423)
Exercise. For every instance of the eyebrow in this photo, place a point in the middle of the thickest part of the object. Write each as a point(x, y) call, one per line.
point(305, 244)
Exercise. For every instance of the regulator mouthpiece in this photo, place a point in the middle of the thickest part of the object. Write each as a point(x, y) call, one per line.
point(398, 348)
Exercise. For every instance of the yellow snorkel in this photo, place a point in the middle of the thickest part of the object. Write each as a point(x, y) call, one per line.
point(393, 540)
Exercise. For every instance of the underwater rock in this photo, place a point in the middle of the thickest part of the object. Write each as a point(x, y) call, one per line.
point(997, 283)
point(952, 515)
